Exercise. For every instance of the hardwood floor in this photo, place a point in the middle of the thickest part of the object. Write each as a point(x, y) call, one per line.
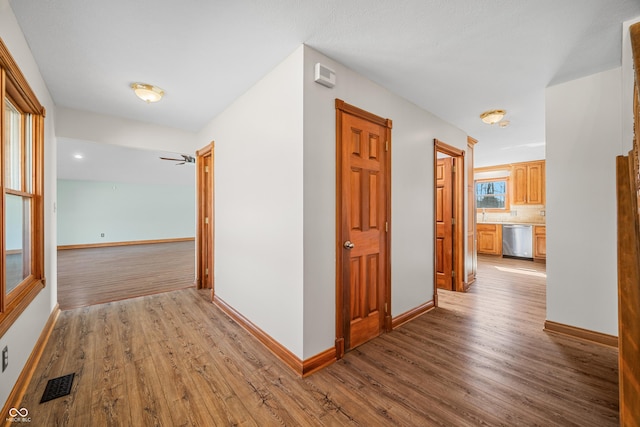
point(481, 358)
point(97, 275)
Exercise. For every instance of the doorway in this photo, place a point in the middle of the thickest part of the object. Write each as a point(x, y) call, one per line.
point(205, 219)
point(363, 213)
point(449, 213)
point(125, 222)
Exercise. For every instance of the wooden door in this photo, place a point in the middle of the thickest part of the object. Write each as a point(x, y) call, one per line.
point(363, 188)
point(205, 218)
point(444, 223)
point(456, 181)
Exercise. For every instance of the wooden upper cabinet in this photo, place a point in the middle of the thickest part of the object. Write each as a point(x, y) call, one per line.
point(519, 186)
point(535, 183)
point(528, 186)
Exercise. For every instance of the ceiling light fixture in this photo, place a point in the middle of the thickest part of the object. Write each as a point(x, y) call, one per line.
point(146, 92)
point(504, 123)
point(78, 156)
point(492, 116)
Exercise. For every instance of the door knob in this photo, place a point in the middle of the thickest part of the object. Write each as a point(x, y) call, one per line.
point(348, 244)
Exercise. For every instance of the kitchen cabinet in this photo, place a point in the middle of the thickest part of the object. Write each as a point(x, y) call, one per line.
point(540, 243)
point(489, 239)
point(528, 186)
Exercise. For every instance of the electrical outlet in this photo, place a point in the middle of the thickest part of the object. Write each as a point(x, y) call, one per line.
point(5, 358)
point(101, 234)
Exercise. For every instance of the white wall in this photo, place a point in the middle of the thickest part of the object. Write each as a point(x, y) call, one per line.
point(258, 203)
point(24, 333)
point(583, 132)
point(414, 130)
point(123, 212)
point(275, 239)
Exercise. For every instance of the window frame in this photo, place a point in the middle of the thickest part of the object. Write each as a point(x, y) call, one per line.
point(15, 88)
point(507, 194)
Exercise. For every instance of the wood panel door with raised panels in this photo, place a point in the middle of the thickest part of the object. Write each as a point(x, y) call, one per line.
point(363, 241)
point(444, 223)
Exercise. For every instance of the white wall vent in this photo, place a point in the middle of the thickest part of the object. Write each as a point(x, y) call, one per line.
point(325, 75)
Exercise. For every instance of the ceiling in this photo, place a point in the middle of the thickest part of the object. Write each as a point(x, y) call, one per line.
point(454, 58)
point(114, 163)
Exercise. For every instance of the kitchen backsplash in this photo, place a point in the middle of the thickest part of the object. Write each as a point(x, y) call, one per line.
point(534, 214)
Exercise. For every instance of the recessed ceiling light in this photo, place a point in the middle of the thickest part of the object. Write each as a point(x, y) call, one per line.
point(78, 156)
point(492, 116)
point(146, 92)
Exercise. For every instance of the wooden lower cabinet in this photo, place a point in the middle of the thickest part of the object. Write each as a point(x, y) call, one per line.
point(489, 239)
point(540, 242)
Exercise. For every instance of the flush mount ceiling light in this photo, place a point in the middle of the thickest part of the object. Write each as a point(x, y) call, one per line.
point(492, 116)
point(146, 92)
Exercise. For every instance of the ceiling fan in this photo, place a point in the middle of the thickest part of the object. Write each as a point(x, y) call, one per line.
point(185, 159)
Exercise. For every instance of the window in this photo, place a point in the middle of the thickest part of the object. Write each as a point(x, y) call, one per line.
point(491, 194)
point(21, 181)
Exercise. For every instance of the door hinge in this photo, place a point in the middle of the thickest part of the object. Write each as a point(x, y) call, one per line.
point(206, 168)
point(206, 271)
point(386, 145)
point(386, 226)
point(385, 308)
point(453, 221)
point(453, 274)
point(206, 220)
point(453, 168)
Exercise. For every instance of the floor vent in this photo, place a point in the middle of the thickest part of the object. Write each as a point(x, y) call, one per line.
point(57, 387)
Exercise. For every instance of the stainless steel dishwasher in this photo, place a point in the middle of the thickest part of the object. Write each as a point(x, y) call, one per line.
point(517, 241)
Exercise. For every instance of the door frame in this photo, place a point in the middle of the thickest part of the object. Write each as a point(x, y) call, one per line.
point(471, 258)
point(341, 317)
point(203, 177)
point(458, 214)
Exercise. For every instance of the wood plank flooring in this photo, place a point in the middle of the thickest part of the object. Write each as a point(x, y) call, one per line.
point(98, 275)
point(481, 358)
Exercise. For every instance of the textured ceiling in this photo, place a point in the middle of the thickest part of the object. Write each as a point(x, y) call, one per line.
point(455, 58)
